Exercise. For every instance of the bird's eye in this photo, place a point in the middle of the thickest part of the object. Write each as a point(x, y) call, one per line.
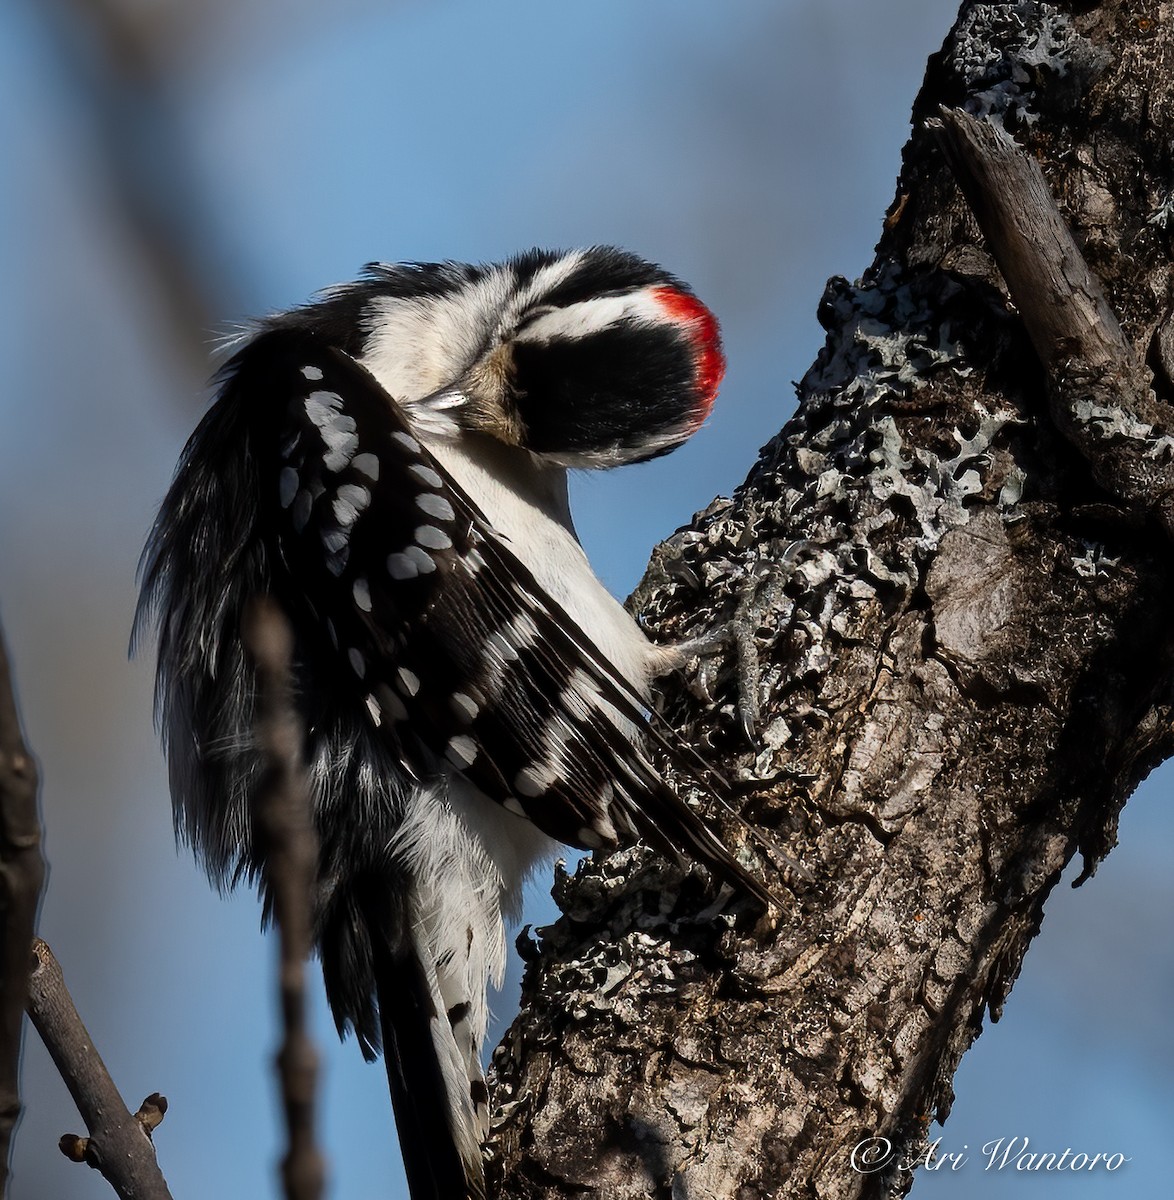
point(533, 314)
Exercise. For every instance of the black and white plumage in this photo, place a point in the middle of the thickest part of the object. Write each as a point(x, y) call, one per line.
point(390, 463)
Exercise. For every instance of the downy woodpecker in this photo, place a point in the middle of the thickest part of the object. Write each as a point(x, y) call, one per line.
point(390, 463)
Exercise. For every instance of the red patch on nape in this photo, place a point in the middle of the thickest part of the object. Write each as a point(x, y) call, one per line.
point(708, 359)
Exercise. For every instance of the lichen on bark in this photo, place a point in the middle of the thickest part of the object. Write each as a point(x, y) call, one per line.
point(965, 669)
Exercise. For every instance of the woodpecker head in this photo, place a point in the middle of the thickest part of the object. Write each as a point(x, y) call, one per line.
point(588, 358)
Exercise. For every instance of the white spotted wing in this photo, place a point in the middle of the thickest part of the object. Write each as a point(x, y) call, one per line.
point(450, 646)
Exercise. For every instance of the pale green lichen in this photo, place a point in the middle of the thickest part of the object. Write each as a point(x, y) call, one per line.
point(1003, 52)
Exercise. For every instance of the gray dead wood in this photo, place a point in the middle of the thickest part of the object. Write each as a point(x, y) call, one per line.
point(1101, 391)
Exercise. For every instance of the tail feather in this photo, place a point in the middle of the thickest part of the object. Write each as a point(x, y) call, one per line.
point(426, 1073)
point(462, 1046)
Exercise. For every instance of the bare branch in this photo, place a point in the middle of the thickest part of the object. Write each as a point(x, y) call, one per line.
point(22, 875)
point(285, 833)
point(1099, 388)
point(119, 1143)
point(1060, 300)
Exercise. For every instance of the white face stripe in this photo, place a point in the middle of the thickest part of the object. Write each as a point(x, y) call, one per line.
point(545, 280)
point(420, 345)
point(593, 316)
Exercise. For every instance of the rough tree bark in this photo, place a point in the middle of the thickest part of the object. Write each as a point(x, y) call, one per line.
point(966, 669)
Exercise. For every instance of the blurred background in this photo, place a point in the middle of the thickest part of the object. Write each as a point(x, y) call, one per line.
point(169, 168)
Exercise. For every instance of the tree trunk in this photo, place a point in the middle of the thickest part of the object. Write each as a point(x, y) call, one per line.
point(961, 604)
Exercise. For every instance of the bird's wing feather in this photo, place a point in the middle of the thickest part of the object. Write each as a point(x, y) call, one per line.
point(443, 633)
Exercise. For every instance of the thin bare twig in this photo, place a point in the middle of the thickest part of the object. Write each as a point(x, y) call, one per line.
point(22, 874)
point(1099, 390)
point(114, 68)
point(119, 1143)
point(285, 831)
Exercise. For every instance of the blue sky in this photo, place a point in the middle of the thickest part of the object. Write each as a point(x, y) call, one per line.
point(750, 147)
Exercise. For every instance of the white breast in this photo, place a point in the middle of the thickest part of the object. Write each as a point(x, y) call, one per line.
point(526, 502)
